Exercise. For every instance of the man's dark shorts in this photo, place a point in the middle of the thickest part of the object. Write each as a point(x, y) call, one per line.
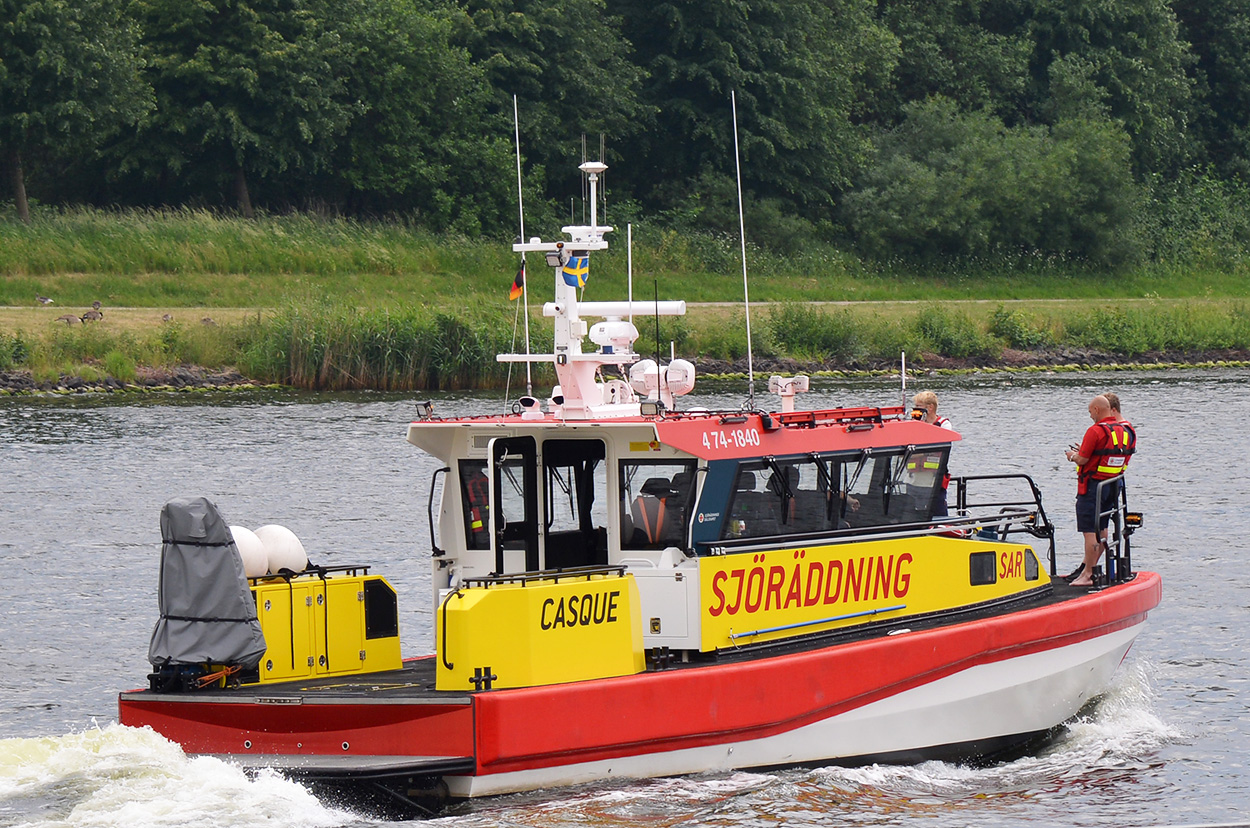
point(1086, 513)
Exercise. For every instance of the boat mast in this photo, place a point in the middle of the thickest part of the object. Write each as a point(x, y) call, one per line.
point(742, 235)
point(520, 203)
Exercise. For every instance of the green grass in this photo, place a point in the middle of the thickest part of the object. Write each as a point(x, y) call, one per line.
point(195, 258)
point(329, 303)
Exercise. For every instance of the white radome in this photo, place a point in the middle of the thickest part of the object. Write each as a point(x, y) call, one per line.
point(282, 548)
point(251, 550)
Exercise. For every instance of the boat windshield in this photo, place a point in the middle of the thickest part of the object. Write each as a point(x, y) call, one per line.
point(795, 496)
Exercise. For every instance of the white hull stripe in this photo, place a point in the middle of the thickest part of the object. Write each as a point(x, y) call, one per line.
point(1021, 695)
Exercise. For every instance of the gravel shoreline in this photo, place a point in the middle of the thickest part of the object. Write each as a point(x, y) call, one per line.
point(185, 378)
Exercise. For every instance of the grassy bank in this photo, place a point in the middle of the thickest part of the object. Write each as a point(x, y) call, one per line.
point(328, 346)
point(320, 303)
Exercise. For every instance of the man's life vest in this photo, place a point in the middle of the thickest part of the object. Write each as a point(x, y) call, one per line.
point(1111, 460)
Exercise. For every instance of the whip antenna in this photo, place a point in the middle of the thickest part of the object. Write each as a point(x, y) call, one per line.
point(903, 373)
point(742, 234)
point(520, 203)
point(629, 266)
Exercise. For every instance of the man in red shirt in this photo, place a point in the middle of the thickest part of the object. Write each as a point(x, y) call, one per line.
point(1103, 454)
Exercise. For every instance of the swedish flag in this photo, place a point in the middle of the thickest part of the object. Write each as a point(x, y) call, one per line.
point(577, 271)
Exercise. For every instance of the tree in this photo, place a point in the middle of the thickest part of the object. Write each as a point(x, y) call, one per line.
point(424, 139)
point(1131, 51)
point(954, 48)
point(69, 78)
point(1218, 32)
point(952, 184)
point(570, 69)
point(244, 88)
point(799, 70)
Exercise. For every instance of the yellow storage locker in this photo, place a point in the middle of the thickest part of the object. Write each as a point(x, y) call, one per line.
point(323, 626)
point(286, 612)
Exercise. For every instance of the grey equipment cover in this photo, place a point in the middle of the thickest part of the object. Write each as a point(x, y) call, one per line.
point(208, 614)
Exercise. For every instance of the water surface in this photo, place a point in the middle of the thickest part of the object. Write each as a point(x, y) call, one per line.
point(82, 482)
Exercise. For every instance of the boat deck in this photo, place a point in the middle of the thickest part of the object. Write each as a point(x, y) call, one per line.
point(414, 682)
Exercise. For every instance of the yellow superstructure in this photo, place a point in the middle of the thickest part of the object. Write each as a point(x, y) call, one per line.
point(528, 632)
point(326, 626)
point(770, 595)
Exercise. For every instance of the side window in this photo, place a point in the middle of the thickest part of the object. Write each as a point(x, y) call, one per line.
point(754, 507)
point(475, 503)
point(895, 487)
point(783, 498)
point(655, 503)
point(924, 477)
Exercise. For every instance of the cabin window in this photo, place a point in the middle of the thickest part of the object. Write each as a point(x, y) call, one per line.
point(574, 522)
point(655, 503)
point(514, 501)
point(792, 496)
point(892, 487)
point(786, 497)
point(475, 503)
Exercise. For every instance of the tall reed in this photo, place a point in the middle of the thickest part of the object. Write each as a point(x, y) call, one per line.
point(329, 347)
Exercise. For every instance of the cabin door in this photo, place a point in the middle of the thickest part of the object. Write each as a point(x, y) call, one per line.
point(514, 504)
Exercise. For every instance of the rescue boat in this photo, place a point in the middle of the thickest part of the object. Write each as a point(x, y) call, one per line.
point(627, 588)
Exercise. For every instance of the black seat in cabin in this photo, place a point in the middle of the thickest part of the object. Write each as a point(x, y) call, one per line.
point(753, 513)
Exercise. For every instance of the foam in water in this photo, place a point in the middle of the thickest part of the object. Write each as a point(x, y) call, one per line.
point(1112, 735)
point(122, 777)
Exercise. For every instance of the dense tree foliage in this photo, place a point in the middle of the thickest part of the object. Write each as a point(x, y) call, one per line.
point(959, 49)
point(244, 88)
point(1218, 33)
point(927, 128)
point(948, 183)
point(570, 68)
point(795, 68)
point(432, 149)
point(69, 78)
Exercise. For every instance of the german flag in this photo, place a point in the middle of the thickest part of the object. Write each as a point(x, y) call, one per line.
point(518, 284)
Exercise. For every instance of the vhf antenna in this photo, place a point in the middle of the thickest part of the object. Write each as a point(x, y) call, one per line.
point(742, 234)
point(520, 203)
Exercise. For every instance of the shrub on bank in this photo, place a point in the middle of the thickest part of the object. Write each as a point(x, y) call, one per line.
point(805, 331)
point(1019, 330)
point(1188, 327)
point(954, 334)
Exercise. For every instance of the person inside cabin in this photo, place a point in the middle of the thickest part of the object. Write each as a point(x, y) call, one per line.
point(1104, 453)
point(925, 408)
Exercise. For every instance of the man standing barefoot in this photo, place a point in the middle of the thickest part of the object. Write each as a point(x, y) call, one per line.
point(1103, 455)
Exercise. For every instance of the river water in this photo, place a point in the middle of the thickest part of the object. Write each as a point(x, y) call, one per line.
point(82, 482)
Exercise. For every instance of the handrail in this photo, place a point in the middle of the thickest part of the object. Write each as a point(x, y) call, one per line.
point(1041, 527)
point(312, 571)
point(937, 526)
point(546, 575)
point(429, 507)
point(442, 651)
point(1117, 548)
